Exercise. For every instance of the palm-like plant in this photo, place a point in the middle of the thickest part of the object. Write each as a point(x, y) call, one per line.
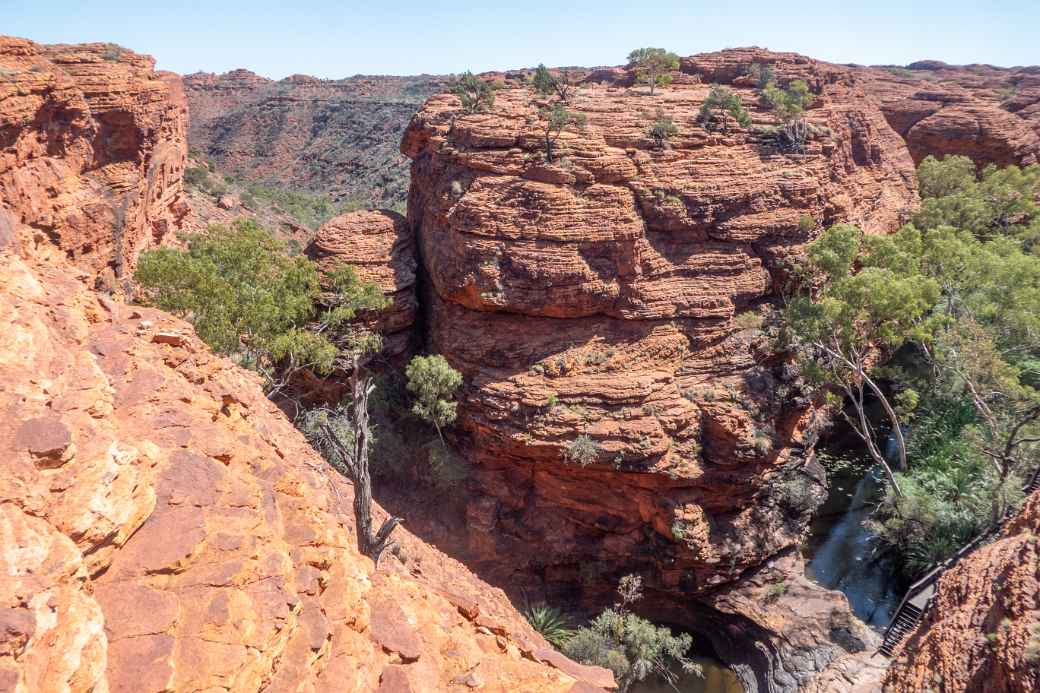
point(550, 622)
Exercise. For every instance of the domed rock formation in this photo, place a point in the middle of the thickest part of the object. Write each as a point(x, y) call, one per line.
point(622, 404)
point(983, 631)
point(988, 114)
point(92, 147)
point(379, 245)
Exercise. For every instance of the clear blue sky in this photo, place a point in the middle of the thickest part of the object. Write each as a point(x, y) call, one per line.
point(338, 38)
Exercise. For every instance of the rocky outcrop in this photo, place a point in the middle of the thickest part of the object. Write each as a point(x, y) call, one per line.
point(92, 147)
point(983, 632)
point(336, 137)
point(162, 525)
point(379, 245)
point(617, 293)
point(989, 114)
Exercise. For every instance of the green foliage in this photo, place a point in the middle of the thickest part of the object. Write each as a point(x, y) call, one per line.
point(652, 65)
point(310, 210)
point(550, 622)
point(542, 81)
point(247, 295)
point(631, 647)
point(662, 130)
point(476, 94)
point(556, 119)
point(956, 294)
point(582, 450)
point(788, 104)
point(806, 224)
point(433, 382)
point(720, 103)
point(776, 590)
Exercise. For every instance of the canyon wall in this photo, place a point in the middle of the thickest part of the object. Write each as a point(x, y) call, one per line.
point(92, 147)
point(162, 525)
point(620, 294)
point(337, 137)
point(983, 632)
point(987, 113)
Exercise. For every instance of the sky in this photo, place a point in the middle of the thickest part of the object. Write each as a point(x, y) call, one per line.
point(340, 38)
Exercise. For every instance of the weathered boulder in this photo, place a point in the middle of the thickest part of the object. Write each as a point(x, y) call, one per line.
point(380, 246)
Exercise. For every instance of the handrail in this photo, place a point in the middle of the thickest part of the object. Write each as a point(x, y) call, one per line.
point(933, 575)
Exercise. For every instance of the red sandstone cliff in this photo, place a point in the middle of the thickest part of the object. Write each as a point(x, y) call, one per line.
point(597, 295)
point(162, 525)
point(92, 147)
point(989, 114)
point(983, 633)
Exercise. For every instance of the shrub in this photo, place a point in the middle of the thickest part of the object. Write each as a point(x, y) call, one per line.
point(556, 119)
point(789, 104)
point(776, 590)
point(762, 74)
point(662, 130)
point(476, 94)
point(112, 53)
point(582, 450)
point(447, 469)
point(720, 103)
point(433, 382)
point(806, 224)
point(630, 646)
point(550, 623)
point(247, 295)
point(652, 65)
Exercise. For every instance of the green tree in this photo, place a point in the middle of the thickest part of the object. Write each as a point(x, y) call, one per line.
point(836, 331)
point(476, 94)
point(789, 105)
point(630, 646)
point(555, 119)
point(719, 103)
point(542, 81)
point(249, 297)
point(662, 130)
point(956, 294)
point(433, 382)
point(652, 65)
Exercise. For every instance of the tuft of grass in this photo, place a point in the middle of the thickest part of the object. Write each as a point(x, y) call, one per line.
point(550, 622)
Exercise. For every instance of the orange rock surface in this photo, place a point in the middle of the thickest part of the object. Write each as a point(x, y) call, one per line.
point(983, 632)
point(989, 114)
point(162, 525)
point(379, 245)
point(92, 147)
point(597, 295)
point(617, 292)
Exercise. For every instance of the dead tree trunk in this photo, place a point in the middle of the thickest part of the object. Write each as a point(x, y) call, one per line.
point(354, 461)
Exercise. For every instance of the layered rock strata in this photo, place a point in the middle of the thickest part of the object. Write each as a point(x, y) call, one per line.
point(381, 248)
point(623, 407)
point(162, 525)
point(92, 147)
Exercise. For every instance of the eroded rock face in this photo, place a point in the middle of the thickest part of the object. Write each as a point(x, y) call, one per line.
point(983, 633)
point(380, 246)
point(596, 294)
point(92, 147)
point(164, 527)
point(616, 293)
point(989, 114)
